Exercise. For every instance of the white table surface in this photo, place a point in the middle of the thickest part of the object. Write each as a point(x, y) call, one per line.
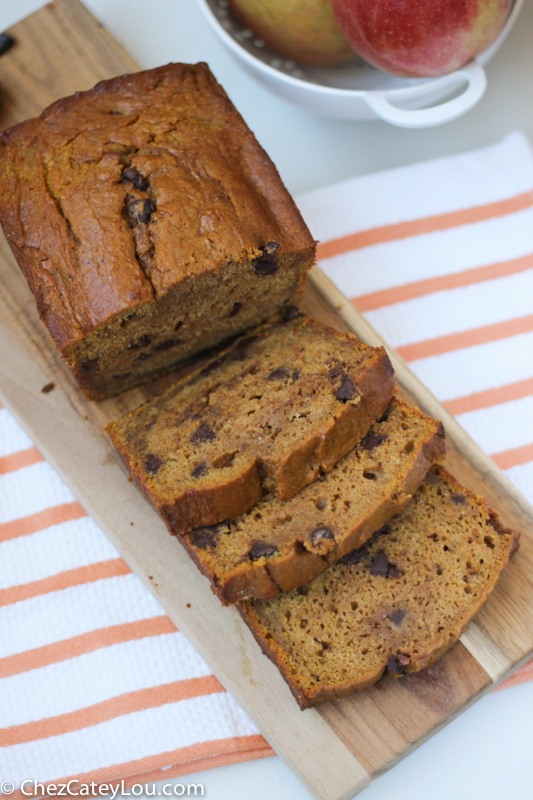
point(487, 752)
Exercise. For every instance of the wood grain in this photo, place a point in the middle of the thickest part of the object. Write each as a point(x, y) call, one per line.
point(336, 750)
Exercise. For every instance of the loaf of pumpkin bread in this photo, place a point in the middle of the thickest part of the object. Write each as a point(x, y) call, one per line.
point(280, 545)
point(149, 224)
point(270, 413)
point(398, 603)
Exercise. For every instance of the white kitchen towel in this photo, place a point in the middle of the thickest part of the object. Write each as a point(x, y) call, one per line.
point(95, 681)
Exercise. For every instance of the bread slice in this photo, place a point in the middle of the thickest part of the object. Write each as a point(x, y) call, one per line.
point(273, 411)
point(277, 546)
point(398, 603)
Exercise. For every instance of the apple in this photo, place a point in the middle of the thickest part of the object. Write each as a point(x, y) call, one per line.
point(420, 38)
point(301, 30)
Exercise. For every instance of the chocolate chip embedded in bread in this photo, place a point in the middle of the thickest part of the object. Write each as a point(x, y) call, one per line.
point(373, 440)
point(134, 176)
point(379, 565)
point(279, 374)
point(204, 538)
point(394, 666)
point(335, 372)
point(152, 463)
point(208, 535)
point(290, 313)
point(199, 469)
point(267, 263)
point(346, 390)
point(458, 499)
point(321, 533)
point(235, 309)
point(139, 210)
point(397, 616)
point(203, 433)
point(260, 549)
point(355, 556)
point(89, 365)
point(142, 341)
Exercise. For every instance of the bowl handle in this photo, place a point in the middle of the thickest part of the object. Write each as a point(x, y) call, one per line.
point(473, 73)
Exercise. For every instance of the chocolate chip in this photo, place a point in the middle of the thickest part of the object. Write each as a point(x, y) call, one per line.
point(394, 666)
point(458, 499)
point(203, 434)
point(205, 537)
point(385, 416)
point(267, 263)
point(322, 532)
point(142, 341)
point(144, 356)
point(152, 463)
point(139, 210)
point(384, 530)
point(6, 43)
point(335, 372)
point(373, 440)
point(379, 565)
point(393, 571)
point(296, 375)
point(260, 549)
point(48, 388)
point(199, 469)
point(167, 344)
point(235, 309)
point(279, 374)
point(355, 556)
point(396, 616)
point(290, 313)
point(346, 390)
point(89, 365)
point(134, 176)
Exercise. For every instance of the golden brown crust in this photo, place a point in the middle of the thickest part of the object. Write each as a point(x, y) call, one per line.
point(400, 605)
point(108, 171)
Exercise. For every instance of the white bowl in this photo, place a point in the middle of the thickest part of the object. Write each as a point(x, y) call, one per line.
point(357, 91)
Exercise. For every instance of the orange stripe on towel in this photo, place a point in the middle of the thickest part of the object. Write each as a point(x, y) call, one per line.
point(470, 338)
point(190, 758)
point(491, 397)
point(43, 519)
point(84, 643)
point(469, 277)
point(128, 703)
point(416, 227)
point(514, 457)
point(24, 458)
point(64, 580)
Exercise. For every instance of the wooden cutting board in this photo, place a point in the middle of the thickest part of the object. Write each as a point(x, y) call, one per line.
point(337, 749)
